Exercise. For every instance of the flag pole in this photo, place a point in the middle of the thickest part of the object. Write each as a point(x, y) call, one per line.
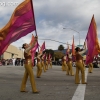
point(34, 19)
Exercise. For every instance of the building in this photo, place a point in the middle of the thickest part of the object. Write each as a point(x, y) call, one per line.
point(12, 52)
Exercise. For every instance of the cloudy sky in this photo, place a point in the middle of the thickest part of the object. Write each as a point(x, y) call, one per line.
point(52, 16)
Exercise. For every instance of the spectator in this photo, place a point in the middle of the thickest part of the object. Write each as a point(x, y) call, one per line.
point(13, 60)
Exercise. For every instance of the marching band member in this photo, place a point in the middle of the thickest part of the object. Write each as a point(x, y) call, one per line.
point(28, 68)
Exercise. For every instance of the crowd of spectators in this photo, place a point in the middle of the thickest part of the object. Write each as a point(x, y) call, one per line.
point(13, 62)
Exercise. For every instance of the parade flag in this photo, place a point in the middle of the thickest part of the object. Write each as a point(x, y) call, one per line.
point(32, 39)
point(92, 41)
point(73, 51)
point(73, 47)
point(68, 50)
point(33, 51)
point(49, 56)
point(44, 56)
point(21, 23)
point(42, 47)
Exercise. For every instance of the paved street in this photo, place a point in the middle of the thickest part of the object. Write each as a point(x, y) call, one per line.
point(53, 85)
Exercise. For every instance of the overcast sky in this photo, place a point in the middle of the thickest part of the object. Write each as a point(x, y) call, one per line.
point(52, 16)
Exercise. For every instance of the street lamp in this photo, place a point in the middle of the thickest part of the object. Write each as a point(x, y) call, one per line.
point(75, 31)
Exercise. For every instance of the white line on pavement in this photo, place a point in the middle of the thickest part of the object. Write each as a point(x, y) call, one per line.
point(80, 91)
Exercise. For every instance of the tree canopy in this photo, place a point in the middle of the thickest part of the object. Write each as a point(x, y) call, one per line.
point(60, 47)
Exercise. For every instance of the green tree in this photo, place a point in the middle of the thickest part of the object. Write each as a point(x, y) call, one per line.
point(58, 55)
point(60, 47)
point(50, 51)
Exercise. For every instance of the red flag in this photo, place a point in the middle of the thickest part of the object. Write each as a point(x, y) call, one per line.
point(32, 39)
point(73, 50)
point(92, 41)
point(42, 47)
point(33, 51)
point(49, 56)
point(21, 23)
point(34, 48)
point(68, 50)
point(73, 47)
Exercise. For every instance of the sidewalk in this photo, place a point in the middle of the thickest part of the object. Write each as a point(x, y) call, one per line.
point(53, 85)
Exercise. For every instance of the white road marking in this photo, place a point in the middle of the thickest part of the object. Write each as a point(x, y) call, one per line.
point(80, 91)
